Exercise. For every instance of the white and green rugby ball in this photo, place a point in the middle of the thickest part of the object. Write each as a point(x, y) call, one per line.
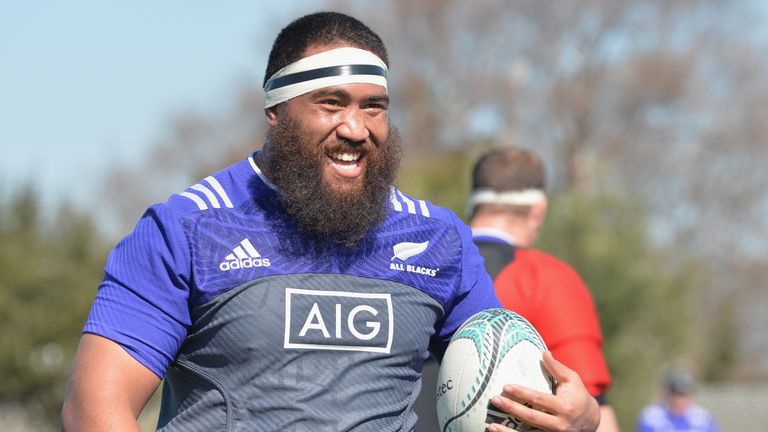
point(492, 348)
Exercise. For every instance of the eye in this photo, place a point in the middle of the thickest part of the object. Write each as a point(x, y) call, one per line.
point(376, 106)
point(330, 102)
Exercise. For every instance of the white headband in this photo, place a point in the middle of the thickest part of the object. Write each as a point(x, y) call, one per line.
point(490, 196)
point(328, 68)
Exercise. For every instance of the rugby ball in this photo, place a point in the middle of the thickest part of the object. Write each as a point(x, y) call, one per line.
point(492, 348)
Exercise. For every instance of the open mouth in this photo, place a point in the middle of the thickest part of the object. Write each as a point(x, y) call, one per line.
point(347, 163)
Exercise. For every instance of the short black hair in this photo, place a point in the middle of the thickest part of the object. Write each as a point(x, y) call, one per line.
point(509, 169)
point(321, 28)
point(679, 382)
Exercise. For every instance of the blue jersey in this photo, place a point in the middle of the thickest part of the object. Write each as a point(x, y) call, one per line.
point(252, 334)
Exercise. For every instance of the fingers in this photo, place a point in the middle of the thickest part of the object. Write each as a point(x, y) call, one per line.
point(529, 398)
point(495, 427)
point(570, 408)
point(529, 406)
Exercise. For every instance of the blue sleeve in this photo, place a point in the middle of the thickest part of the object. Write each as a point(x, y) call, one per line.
point(142, 302)
point(475, 292)
point(642, 424)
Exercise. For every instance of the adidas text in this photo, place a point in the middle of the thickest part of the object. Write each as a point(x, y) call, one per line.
point(244, 263)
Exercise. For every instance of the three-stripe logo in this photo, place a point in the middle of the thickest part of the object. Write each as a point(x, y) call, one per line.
point(204, 196)
point(402, 203)
point(244, 255)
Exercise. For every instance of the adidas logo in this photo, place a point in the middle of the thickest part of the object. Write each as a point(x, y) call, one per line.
point(243, 255)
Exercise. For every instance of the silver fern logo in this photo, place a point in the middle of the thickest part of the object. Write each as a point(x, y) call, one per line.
point(406, 250)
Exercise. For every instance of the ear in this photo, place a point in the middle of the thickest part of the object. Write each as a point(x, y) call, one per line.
point(272, 116)
point(539, 213)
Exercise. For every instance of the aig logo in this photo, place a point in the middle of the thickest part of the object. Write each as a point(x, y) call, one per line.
point(338, 320)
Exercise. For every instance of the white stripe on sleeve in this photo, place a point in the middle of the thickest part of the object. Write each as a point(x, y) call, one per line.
point(208, 194)
point(424, 209)
point(197, 200)
point(409, 203)
point(395, 203)
point(220, 190)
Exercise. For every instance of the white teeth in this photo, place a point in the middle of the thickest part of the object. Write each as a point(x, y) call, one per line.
point(346, 157)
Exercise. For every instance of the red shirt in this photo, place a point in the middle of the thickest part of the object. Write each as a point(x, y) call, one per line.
point(551, 295)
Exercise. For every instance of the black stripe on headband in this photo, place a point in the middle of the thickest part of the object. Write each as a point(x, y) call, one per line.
point(329, 71)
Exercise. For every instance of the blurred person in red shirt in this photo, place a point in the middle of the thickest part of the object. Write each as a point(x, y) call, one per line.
point(507, 209)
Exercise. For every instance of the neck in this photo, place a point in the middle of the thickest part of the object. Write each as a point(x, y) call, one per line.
point(523, 237)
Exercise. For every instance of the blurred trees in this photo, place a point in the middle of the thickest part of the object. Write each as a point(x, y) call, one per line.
point(194, 146)
point(49, 272)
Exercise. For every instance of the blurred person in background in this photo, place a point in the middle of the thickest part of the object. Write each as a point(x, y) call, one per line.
point(507, 208)
point(676, 412)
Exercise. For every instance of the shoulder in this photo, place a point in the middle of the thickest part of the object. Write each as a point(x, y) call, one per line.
point(444, 228)
point(225, 189)
point(699, 415)
point(420, 212)
point(537, 265)
point(221, 192)
point(406, 205)
point(653, 415)
point(542, 260)
point(424, 211)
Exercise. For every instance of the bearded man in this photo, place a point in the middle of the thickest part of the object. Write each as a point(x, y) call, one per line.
point(297, 289)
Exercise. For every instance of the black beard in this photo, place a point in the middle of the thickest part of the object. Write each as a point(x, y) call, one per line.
point(293, 163)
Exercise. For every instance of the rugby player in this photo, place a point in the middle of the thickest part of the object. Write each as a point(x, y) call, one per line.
point(297, 289)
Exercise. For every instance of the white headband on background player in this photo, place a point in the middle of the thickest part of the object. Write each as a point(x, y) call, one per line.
point(525, 197)
point(329, 68)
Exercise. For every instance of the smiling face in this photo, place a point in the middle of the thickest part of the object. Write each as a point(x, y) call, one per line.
point(345, 124)
point(333, 158)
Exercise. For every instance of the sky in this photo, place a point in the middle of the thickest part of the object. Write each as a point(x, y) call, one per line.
point(84, 82)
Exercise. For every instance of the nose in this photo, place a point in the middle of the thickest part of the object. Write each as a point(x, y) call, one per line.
point(352, 126)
